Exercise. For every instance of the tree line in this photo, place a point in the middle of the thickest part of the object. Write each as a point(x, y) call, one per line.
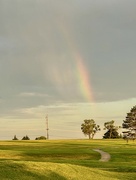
point(90, 128)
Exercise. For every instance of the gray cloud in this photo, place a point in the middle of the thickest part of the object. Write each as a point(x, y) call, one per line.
point(38, 40)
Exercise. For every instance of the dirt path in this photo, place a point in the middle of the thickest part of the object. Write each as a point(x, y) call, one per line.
point(105, 157)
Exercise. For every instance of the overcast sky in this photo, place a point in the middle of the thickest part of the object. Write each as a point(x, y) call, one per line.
point(72, 59)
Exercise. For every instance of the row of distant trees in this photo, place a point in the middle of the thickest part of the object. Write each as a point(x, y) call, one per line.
point(27, 138)
point(90, 128)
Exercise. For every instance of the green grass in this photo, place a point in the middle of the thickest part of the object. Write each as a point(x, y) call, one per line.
point(67, 159)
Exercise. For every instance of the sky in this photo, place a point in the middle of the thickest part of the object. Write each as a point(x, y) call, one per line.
point(68, 59)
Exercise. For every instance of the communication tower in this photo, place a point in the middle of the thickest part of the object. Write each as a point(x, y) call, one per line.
point(47, 128)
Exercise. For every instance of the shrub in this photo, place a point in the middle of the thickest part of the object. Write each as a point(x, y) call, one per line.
point(40, 138)
point(15, 138)
point(26, 138)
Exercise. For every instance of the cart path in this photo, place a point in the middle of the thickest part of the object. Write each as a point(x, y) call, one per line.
point(105, 157)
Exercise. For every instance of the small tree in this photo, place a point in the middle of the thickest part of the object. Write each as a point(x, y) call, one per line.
point(15, 138)
point(111, 130)
point(130, 125)
point(26, 138)
point(89, 128)
point(112, 135)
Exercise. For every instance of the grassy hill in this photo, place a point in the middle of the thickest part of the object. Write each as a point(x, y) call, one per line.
point(67, 159)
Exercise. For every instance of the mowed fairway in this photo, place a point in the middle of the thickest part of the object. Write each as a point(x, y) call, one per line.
point(67, 159)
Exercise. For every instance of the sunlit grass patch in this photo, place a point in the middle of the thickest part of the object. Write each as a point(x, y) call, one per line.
point(44, 170)
point(10, 155)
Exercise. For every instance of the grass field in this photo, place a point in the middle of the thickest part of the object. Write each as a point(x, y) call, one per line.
point(67, 159)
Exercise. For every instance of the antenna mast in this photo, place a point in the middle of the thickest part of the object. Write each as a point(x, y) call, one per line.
point(47, 129)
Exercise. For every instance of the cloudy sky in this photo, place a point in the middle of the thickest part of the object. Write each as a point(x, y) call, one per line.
point(70, 59)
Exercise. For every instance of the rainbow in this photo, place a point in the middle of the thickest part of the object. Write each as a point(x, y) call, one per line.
point(83, 79)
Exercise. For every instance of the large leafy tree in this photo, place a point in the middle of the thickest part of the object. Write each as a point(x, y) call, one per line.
point(89, 128)
point(111, 130)
point(130, 124)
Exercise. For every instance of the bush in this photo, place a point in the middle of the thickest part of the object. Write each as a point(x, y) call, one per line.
point(40, 138)
point(15, 138)
point(26, 138)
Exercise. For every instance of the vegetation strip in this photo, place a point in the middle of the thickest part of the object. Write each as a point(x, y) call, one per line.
point(105, 157)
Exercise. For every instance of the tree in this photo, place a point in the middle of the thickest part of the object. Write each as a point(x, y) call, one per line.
point(26, 138)
point(130, 124)
point(15, 138)
point(89, 128)
point(112, 135)
point(111, 130)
